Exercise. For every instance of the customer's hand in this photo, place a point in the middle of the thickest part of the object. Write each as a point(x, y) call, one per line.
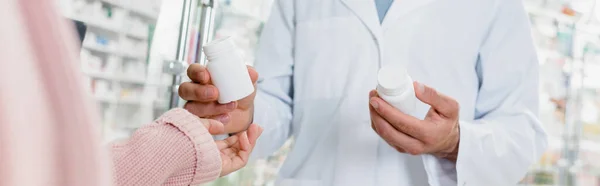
point(437, 134)
point(235, 150)
point(202, 97)
point(214, 127)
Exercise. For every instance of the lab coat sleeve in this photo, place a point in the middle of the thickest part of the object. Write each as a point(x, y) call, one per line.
point(505, 138)
point(274, 63)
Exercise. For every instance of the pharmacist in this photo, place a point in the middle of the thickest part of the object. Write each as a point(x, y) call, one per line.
point(319, 59)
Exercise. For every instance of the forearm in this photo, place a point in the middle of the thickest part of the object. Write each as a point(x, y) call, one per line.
point(174, 150)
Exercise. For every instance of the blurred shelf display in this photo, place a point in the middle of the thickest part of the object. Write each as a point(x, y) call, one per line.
point(142, 8)
point(150, 14)
point(138, 34)
point(100, 24)
point(106, 50)
point(118, 101)
point(536, 10)
point(115, 60)
point(123, 79)
point(115, 2)
point(566, 34)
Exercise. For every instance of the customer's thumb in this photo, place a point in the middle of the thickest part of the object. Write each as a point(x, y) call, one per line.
point(214, 127)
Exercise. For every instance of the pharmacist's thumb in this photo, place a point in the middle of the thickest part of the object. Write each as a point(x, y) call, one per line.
point(253, 74)
point(443, 104)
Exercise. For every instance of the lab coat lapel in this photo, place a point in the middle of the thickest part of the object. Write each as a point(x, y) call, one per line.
point(401, 8)
point(367, 12)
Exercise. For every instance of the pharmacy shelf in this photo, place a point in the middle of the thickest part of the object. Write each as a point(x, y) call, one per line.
point(537, 10)
point(133, 56)
point(590, 146)
point(112, 27)
point(550, 53)
point(118, 3)
point(103, 25)
point(133, 80)
point(236, 13)
point(134, 9)
point(114, 100)
point(99, 49)
point(123, 79)
point(112, 52)
point(144, 13)
point(158, 104)
point(161, 104)
point(109, 76)
point(138, 35)
point(584, 144)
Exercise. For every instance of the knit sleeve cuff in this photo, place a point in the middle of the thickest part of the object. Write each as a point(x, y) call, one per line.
point(208, 156)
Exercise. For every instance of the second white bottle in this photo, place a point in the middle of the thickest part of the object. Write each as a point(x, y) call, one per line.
point(395, 86)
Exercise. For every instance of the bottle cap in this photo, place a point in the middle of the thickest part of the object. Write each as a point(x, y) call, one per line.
point(393, 80)
point(215, 47)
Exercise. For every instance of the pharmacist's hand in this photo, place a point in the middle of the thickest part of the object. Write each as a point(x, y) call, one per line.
point(202, 97)
point(437, 134)
point(235, 150)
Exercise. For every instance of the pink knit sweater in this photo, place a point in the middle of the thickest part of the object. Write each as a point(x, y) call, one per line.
point(174, 150)
point(49, 127)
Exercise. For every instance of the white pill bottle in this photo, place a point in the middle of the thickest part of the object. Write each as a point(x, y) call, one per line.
point(395, 86)
point(227, 70)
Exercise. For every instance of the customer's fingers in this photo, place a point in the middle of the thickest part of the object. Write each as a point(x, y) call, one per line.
point(240, 150)
point(214, 127)
point(227, 142)
point(254, 132)
point(198, 74)
point(202, 109)
point(197, 92)
point(244, 141)
point(223, 118)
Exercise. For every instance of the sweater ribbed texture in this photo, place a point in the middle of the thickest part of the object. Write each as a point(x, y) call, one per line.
point(175, 150)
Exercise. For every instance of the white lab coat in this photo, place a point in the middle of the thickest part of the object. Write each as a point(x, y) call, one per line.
point(318, 60)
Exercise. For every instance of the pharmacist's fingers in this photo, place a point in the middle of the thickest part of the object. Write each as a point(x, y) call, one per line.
point(253, 74)
point(395, 137)
point(196, 92)
point(373, 93)
point(204, 110)
point(443, 104)
point(198, 74)
point(402, 122)
point(401, 150)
